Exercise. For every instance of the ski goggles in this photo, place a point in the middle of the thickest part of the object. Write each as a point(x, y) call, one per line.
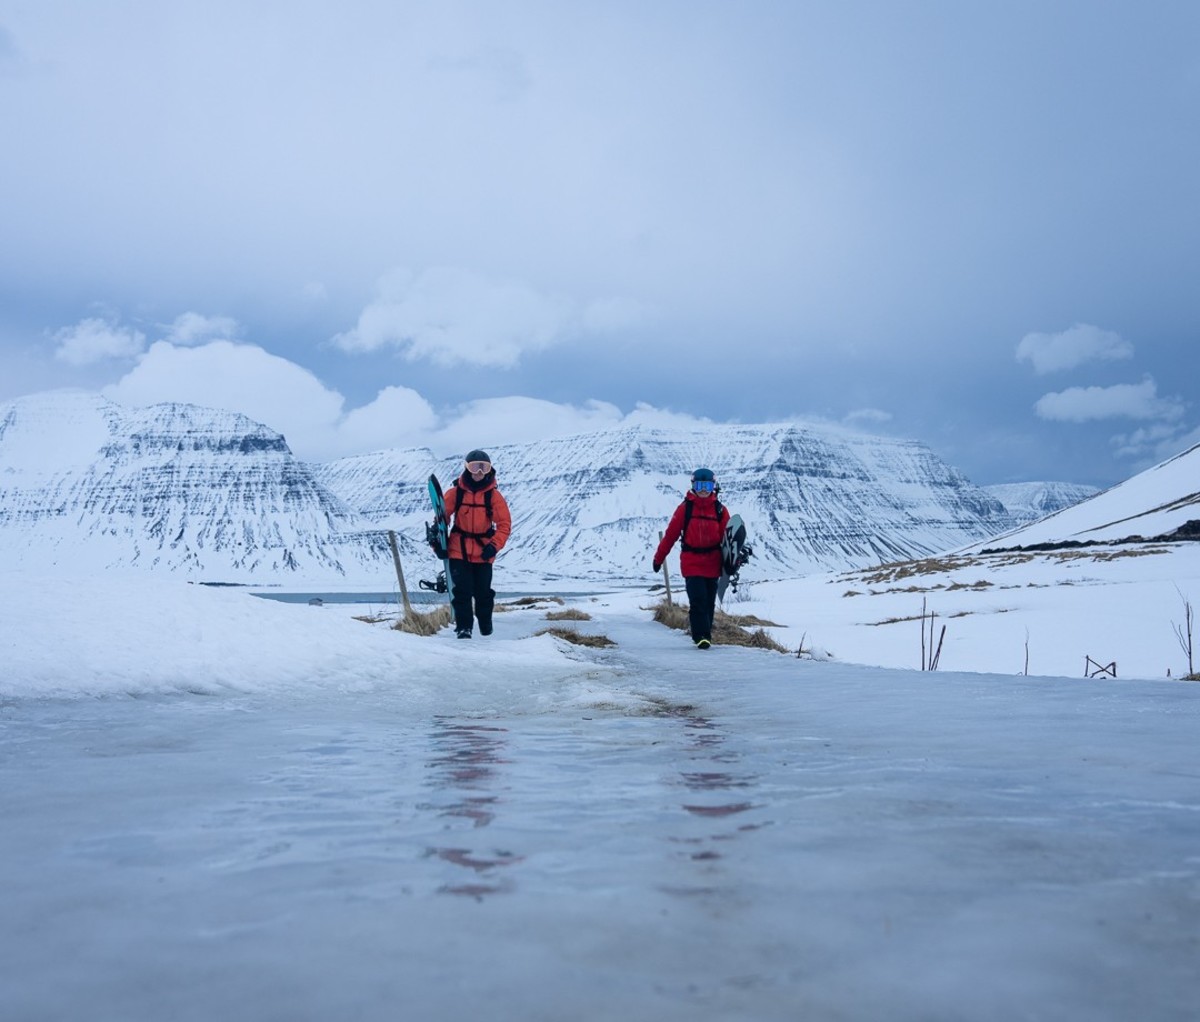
point(703, 486)
point(479, 466)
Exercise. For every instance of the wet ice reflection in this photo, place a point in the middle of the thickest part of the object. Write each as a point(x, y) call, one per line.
point(717, 792)
point(463, 773)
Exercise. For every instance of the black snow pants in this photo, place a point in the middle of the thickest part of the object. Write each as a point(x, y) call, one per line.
point(473, 595)
point(702, 605)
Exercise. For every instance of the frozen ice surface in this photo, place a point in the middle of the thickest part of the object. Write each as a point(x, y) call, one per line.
point(357, 824)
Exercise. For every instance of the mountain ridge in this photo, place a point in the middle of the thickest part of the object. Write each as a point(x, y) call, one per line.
point(210, 494)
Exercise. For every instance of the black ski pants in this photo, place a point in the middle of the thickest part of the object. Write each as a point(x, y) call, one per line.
point(473, 595)
point(702, 605)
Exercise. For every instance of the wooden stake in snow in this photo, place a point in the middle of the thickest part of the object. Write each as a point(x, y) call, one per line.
point(667, 577)
point(399, 573)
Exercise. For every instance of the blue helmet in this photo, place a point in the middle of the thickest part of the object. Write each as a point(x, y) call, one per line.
point(703, 475)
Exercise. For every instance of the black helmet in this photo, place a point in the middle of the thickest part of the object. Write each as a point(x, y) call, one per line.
point(478, 462)
point(704, 482)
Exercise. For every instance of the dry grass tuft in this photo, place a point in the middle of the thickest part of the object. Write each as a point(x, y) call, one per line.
point(727, 628)
point(528, 603)
point(728, 634)
point(759, 639)
point(746, 620)
point(578, 638)
point(570, 614)
point(424, 624)
point(672, 615)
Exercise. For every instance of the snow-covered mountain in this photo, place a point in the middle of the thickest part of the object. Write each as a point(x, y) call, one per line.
point(86, 483)
point(813, 498)
point(217, 497)
point(1162, 501)
point(1027, 502)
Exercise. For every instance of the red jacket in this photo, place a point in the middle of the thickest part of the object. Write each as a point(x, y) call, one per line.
point(471, 529)
point(701, 554)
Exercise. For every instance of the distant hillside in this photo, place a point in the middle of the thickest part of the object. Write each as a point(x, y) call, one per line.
point(1158, 502)
point(1027, 502)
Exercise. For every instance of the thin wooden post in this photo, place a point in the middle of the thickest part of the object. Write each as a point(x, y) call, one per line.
point(667, 577)
point(399, 573)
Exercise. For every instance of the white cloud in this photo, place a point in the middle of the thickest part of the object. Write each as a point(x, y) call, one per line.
point(871, 416)
point(1081, 343)
point(93, 340)
point(1151, 443)
point(192, 328)
point(453, 317)
point(608, 315)
point(1125, 400)
point(238, 378)
point(517, 420)
point(288, 398)
point(661, 418)
point(398, 417)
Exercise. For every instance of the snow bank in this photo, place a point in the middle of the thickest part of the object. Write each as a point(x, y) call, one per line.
point(141, 635)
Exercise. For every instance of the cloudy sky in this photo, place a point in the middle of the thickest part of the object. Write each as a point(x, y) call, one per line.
point(463, 223)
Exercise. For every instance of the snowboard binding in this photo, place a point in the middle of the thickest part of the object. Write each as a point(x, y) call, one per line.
point(743, 555)
point(438, 585)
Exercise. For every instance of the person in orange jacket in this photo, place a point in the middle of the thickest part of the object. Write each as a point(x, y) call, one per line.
point(699, 522)
point(480, 524)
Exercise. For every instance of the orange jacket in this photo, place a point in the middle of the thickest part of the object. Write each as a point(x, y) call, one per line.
point(470, 527)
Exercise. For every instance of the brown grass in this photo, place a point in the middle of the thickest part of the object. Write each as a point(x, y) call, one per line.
point(746, 619)
point(897, 571)
point(578, 638)
point(527, 603)
point(728, 629)
point(424, 624)
point(570, 614)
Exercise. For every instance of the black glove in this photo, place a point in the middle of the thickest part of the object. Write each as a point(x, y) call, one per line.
point(489, 551)
point(657, 567)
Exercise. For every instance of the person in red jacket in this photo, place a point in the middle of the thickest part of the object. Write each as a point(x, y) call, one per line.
point(480, 524)
point(699, 522)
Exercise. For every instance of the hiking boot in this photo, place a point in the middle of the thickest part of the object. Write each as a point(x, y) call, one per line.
point(485, 629)
point(703, 643)
point(463, 633)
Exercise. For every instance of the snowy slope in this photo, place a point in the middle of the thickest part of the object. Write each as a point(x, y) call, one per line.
point(1153, 503)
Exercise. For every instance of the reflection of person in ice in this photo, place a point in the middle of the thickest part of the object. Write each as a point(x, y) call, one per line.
point(708, 741)
point(470, 754)
point(466, 768)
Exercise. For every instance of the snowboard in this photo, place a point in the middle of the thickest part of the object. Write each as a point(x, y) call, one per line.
point(438, 534)
point(735, 552)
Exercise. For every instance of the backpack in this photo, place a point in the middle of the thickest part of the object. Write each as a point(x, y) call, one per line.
point(688, 510)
